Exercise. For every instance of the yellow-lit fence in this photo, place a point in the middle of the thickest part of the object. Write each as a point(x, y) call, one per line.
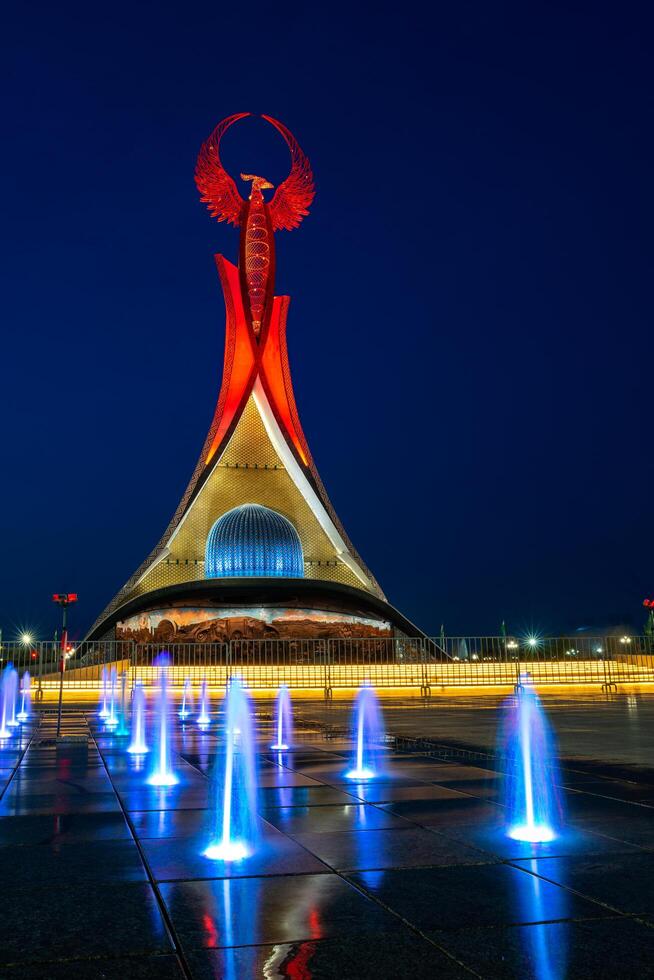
point(425, 665)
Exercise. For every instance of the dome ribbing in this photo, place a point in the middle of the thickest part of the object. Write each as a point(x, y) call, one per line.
point(255, 542)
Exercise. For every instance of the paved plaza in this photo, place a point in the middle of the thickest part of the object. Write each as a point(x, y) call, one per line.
point(408, 875)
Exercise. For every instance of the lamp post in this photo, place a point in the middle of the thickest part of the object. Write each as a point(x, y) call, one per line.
point(26, 641)
point(63, 599)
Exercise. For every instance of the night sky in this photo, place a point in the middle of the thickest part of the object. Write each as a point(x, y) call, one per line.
point(470, 328)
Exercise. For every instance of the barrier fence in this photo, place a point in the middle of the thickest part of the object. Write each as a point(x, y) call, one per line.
point(345, 663)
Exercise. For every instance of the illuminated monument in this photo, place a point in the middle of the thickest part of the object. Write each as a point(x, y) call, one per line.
point(254, 548)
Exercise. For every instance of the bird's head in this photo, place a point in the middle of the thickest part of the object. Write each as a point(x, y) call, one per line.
point(258, 183)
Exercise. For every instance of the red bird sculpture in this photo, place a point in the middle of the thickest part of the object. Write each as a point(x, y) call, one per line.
point(257, 219)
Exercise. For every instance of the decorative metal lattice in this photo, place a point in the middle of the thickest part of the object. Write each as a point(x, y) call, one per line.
point(258, 219)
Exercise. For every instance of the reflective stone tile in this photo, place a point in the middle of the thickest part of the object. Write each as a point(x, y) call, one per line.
point(63, 829)
point(378, 791)
point(165, 797)
point(75, 863)
point(491, 837)
point(182, 858)
point(450, 810)
point(160, 967)
point(81, 921)
point(622, 881)
point(318, 819)
point(404, 848)
point(297, 758)
point(400, 955)
point(16, 803)
point(277, 776)
point(620, 790)
point(580, 805)
point(635, 830)
point(490, 894)
point(485, 789)
point(250, 911)
point(46, 764)
point(341, 778)
point(172, 823)
point(302, 796)
point(454, 772)
point(601, 949)
point(61, 784)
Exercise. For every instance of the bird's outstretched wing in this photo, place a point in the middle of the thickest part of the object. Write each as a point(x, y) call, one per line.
point(217, 188)
point(291, 200)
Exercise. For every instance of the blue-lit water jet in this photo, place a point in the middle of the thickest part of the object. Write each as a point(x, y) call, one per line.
point(186, 709)
point(234, 782)
point(104, 710)
point(25, 697)
point(8, 700)
point(369, 732)
point(112, 717)
point(12, 720)
point(283, 720)
point(204, 718)
point(123, 728)
point(530, 765)
point(162, 773)
point(138, 745)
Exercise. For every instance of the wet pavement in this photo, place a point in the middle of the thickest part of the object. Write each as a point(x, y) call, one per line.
point(406, 875)
point(611, 728)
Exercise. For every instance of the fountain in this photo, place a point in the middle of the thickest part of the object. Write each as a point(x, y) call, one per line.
point(162, 773)
point(104, 710)
point(233, 784)
point(369, 732)
point(112, 718)
point(137, 745)
point(123, 728)
point(204, 718)
point(25, 697)
point(187, 700)
point(530, 796)
point(12, 720)
point(284, 720)
point(8, 689)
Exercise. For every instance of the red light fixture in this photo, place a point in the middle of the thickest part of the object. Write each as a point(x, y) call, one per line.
point(64, 598)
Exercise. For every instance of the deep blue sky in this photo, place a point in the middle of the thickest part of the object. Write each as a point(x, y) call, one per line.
point(470, 330)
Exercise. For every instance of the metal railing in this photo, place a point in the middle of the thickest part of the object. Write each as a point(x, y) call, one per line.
point(327, 664)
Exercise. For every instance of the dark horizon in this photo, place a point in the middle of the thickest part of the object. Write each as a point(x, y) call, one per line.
point(470, 325)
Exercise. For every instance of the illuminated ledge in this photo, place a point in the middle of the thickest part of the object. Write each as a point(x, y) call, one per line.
point(331, 596)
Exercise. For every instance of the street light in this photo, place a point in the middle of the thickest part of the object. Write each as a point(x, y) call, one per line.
point(26, 640)
point(63, 599)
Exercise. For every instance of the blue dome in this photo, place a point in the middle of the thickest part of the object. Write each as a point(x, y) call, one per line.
point(253, 541)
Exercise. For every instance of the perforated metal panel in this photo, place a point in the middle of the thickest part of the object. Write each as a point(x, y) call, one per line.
point(250, 471)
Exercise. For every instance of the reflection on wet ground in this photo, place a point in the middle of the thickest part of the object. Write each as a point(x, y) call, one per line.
point(409, 875)
point(611, 728)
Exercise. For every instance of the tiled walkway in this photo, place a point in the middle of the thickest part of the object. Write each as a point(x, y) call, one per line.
point(407, 876)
